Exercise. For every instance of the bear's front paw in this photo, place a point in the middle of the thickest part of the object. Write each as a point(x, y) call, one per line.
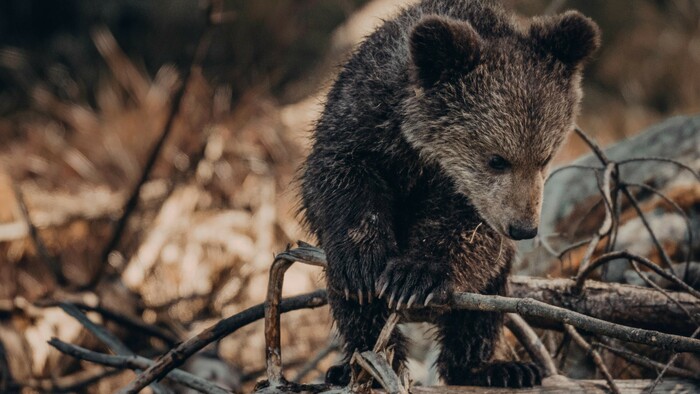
point(339, 375)
point(508, 374)
point(355, 281)
point(408, 282)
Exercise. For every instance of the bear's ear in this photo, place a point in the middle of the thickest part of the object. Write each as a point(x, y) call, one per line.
point(442, 48)
point(570, 37)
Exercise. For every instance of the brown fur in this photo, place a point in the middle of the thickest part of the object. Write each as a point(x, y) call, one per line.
point(431, 152)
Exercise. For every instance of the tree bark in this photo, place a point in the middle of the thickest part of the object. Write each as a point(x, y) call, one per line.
point(571, 387)
point(623, 304)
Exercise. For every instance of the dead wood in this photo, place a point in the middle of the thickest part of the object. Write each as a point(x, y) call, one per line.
point(648, 363)
point(595, 355)
point(600, 300)
point(136, 363)
point(675, 139)
point(38, 242)
point(178, 355)
point(106, 337)
point(526, 307)
point(532, 344)
point(623, 304)
point(570, 387)
point(530, 308)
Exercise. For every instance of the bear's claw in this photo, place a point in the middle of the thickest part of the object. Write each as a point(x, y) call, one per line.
point(407, 284)
point(428, 299)
point(410, 302)
point(359, 296)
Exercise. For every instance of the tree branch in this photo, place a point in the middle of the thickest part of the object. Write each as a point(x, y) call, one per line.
point(135, 362)
point(606, 258)
point(624, 304)
point(178, 355)
point(594, 355)
point(532, 344)
point(528, 307)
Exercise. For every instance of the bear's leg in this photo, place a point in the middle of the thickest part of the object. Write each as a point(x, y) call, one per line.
point(359, 327)
point(468, 339)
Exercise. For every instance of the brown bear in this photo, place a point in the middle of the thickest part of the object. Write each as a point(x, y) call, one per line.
point(429, 159)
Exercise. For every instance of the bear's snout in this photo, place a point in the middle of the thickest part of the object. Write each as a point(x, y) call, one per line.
point(518, 232)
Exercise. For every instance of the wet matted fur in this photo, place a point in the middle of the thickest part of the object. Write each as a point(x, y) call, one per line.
point(429, 158)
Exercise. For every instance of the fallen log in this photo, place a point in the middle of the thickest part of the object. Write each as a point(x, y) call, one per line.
point(633, 306)
point(572, 387)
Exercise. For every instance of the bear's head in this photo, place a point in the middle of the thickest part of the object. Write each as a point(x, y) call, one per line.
point(492, 107)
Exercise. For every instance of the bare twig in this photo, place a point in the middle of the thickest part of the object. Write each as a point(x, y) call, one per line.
point(122, 319)
point(605, 227)
point(272, 306)
point(380, 369)
point(611, 302)
point(662, 252)
point(573, 167)
point(135, 362)
point(649, 363)
point(668, 365)
point(176, 356)
point(680, 211)
point(611, 224)
point(665, 293)
point(560, 254)
point(385, 334)
point(38, 242)
point(528, 307)
point(581, 278)
point(100, 332)
point(690, 316)
point(532, 343)
point(646, 362)
point(609, 174)
point(594, 355)
point(593, 145)
point(179, 354)
point(105, 337)
point(374, 365)
point(661, 159)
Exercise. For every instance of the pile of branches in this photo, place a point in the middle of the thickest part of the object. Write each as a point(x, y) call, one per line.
point(596, 316)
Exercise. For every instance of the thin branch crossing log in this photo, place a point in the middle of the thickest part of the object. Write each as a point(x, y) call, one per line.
point(623, 304)
point(527, 307)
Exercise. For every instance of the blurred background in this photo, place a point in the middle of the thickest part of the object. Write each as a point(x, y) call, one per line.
point(87, 89)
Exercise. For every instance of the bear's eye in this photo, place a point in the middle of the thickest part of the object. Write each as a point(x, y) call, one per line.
point(546, 162)
point(498, 163)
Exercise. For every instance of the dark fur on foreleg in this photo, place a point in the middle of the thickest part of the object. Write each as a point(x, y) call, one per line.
point(468, 339)
point(359, 326)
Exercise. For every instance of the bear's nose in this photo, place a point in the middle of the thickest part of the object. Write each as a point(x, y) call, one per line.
point(518, 233)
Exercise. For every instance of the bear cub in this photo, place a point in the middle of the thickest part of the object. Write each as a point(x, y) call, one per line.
point(428, 160)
